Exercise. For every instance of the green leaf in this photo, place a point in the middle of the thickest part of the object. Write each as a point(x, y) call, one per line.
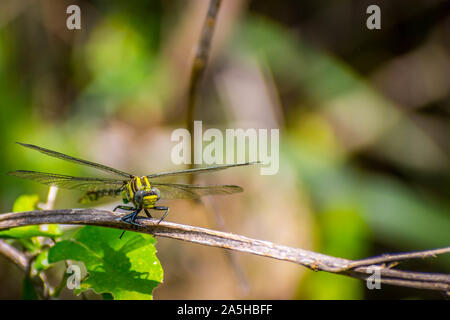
point(32, 245)
point(107, 296)
point(28, 290)
point(29, 203)
point(26, 203)
point(41, 261)
point(127, 268)
point(51, 231)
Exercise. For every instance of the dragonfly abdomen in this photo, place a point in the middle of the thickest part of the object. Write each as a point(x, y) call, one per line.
point(92, 196)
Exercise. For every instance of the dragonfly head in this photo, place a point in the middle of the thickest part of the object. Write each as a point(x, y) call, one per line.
point(144, 197)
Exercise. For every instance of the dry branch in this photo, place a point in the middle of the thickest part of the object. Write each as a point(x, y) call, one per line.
point(361, 269)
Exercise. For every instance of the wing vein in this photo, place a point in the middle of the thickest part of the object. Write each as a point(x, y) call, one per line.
point(69, 182)
point(198, 170)
point(66, 157)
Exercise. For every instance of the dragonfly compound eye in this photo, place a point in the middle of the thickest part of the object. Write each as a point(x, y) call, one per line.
point(139, 196)
point(156, 191)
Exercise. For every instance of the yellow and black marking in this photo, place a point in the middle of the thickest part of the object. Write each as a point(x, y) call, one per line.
point(136, 184)
point(92, 196)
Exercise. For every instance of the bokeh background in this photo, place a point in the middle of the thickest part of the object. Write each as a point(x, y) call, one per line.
point(363, 118)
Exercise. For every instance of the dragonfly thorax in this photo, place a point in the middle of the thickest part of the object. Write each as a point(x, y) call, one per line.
point(140, 192)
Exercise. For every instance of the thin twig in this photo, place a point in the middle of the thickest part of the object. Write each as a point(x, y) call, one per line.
point(14, 255)
point(400, 256)
point(361, 269)
point(23, 262)
point(199, 64)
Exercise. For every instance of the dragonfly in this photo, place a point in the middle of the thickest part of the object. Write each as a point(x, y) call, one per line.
point(138, 192)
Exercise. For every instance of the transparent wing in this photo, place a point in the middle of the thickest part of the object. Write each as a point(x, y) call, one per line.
point(66, 157)
point(70, 182)
point(170, 191)
point(198, 170)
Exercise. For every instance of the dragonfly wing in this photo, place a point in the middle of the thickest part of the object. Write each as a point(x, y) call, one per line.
point(70, 182)
point(198, 170)
point(66, 157)
point(170, 191)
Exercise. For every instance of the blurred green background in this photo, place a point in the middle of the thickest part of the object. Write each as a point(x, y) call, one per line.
point(363, 119)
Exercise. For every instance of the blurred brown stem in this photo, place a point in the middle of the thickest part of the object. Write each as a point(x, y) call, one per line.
point(199, 65)
point(362, 269)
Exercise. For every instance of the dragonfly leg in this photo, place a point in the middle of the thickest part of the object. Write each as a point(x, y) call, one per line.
point(129, 218)
point(128, 208)
point(165, 213)
point(147, 212)
point(125, 218)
